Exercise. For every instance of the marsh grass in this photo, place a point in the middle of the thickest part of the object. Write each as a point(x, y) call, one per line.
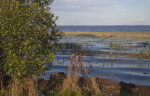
point(131, 54)
point(140, 55)
point(143, 53)
point(95, 87)
point(25, 87)
point(143, 37)
point(72, 46)
point(120, 48)
point(71, 83)
point(119, 35)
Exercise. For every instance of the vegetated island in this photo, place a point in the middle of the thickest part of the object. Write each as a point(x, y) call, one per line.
point(119, 35)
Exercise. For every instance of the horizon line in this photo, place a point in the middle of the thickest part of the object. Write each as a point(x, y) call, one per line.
point(101, 25)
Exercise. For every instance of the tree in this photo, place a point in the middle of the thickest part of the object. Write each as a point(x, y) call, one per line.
point(26, 44)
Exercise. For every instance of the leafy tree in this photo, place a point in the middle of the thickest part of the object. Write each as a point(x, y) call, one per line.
point(26, 45)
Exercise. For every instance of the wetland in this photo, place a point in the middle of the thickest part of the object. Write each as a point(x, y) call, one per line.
point(117, 56)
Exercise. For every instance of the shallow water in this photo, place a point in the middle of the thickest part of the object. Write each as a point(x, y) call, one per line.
point(120, 68)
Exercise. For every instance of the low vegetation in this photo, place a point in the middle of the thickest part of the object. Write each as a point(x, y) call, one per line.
point(24, 87)
point(140, 53)
point(116, 35)
point(72, 46)
point(72, 84)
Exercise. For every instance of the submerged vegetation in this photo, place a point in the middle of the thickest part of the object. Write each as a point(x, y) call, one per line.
point(142, 50)
point(123, 50)
point(72, 46)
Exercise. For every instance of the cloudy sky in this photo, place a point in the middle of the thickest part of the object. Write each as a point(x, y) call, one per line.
point(102, 12)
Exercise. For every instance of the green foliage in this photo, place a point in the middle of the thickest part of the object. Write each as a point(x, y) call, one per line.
point(50, 93)
point(68, 93)
point(25, 43)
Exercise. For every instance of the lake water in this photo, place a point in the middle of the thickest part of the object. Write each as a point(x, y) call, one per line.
point(118, 62)
point(106, 28)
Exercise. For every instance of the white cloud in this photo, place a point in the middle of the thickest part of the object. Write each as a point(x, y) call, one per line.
point(78, 5)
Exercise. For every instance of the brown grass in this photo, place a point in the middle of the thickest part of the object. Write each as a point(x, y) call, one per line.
point(25, 87)
point(95, 87)
point(71, 82)
point(126, 35)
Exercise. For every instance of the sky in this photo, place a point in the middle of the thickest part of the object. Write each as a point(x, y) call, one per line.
point(102, 12)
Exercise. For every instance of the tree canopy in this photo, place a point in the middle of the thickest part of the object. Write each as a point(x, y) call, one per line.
point(26, 44)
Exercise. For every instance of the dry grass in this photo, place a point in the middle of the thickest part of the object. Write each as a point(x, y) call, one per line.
point(95, 87)
point(119, 35)
point(25, 87)
point(71, 82)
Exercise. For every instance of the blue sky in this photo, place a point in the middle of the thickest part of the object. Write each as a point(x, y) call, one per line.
point(102, 12)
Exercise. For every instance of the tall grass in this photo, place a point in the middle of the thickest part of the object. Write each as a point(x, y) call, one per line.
point(25, 87)
point(95, 87)
point(71, 83)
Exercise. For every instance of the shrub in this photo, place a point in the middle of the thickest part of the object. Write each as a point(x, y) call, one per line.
point(25, 43)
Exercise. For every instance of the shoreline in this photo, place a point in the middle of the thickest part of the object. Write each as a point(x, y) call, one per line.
point(56, 83)
point(107, 88)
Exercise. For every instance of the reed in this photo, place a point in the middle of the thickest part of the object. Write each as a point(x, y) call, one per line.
point(71, 82)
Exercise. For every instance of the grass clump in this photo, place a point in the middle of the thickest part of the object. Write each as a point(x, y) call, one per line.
point(73, 82)
point(66, 92)
point(25, 87)
point(69, 93)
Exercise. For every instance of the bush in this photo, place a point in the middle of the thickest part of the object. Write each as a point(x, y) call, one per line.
point(26, 45)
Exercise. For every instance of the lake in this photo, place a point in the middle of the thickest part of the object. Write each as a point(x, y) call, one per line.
point(105, 28)
point(126, 60)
